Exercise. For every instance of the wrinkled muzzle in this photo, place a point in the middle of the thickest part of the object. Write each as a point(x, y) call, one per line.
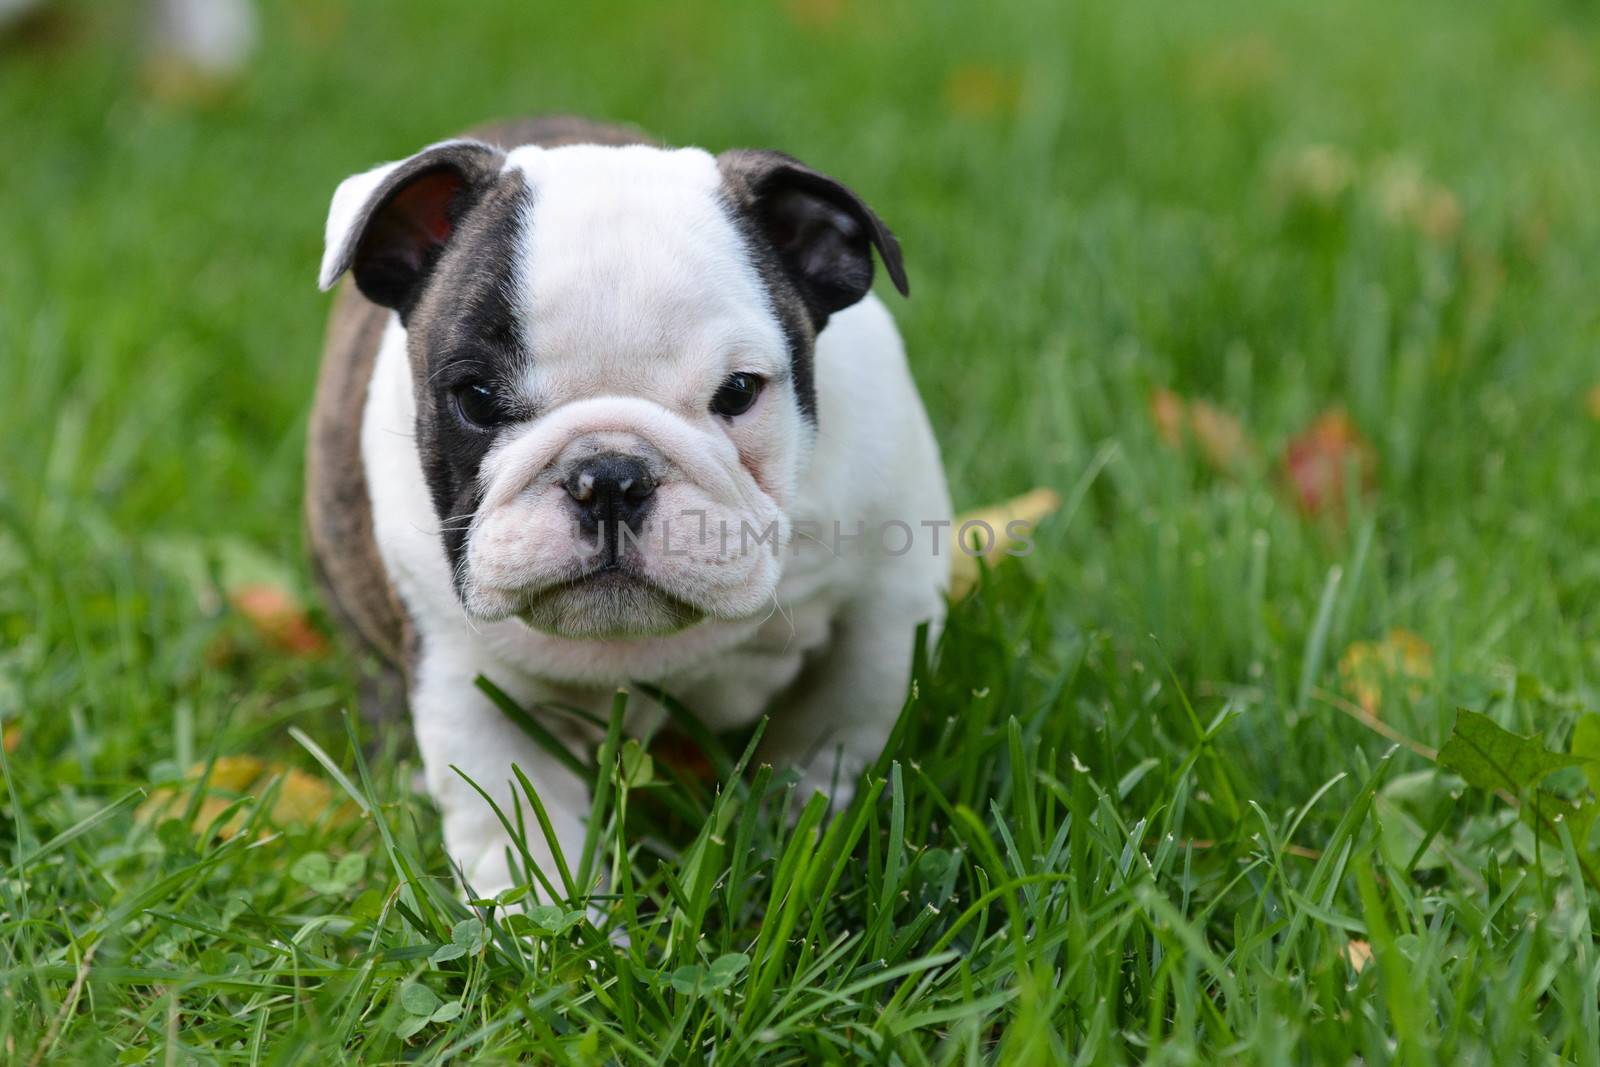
point(614, 517)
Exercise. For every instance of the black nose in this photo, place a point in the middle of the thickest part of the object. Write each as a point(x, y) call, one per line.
point(611, 490)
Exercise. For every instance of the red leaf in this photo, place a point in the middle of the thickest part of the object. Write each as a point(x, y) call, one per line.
point(279, 619)
point(1316, 461)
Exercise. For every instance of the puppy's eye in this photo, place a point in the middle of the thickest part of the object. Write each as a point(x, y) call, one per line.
point(478, 405)
point(735, 395)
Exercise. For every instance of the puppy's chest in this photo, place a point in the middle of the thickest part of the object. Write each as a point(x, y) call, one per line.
point(740, 685)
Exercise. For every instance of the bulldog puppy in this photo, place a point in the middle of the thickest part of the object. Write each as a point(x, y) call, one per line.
point(597, 412)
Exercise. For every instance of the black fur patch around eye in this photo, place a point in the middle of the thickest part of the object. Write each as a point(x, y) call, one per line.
point(811, 240)
point(794, 318)
point(464, 327)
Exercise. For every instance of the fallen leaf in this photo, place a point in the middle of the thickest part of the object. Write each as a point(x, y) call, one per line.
point(674, 749)
point(1317, 174)
point(1566, 60)
point(1358, 953)
point(1169, 413)
point(233, 773)
point(301, 799)
point(279, 618)
point(1315, 462)
point(1236, 67)
point(1405, 196)
point(1218, 436)
point(318, 23)
point(180, 84)
point(1222, 440)
point(815, 14)
point(1029, 508)
point(981, 91)
point(1369, 669)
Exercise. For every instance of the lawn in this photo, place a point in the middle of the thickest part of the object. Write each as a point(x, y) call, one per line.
point(1292, 304)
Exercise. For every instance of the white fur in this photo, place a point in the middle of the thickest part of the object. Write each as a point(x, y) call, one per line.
point(640, 300)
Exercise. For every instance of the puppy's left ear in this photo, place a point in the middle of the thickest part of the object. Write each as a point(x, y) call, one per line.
point(822, 232)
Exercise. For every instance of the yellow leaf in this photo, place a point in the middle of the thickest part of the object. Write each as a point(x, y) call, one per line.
point(301, 799)
point(815, 14)
point(1408, 197)
point(1236, 67)
point(980, 91)
point(1567, 61)
point(992, 528)
point(233, 773)
point(1219, 437)
point(279, 618)
point(1169, 413)
point(1359, 953)
point(1401, 662)
point(1315, 174)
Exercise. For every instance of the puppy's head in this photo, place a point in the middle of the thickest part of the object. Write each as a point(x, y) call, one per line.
point(611, 353)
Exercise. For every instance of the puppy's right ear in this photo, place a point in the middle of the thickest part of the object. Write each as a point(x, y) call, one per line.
point(389, 225)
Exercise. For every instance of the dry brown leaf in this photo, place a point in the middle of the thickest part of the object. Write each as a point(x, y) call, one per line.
point(1315, 461)
point(1169, 413)
point(232, 773)
point(302, 798)
point(1567, 61)
point(279, 618)
point(179, 84)
point(318, 23)
point(815, 14)
point(1407, 197)
point(1358, 953)
point(1316, 173)
point(981, 91)
point(12, 737)
point(1031, 508)
point(1219, 437)
point(1222, 440)
point(1236, 66)
point(674, 749)
point(1369, 669)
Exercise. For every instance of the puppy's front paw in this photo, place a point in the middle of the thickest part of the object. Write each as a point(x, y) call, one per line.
point(487, 873)
point(832, 778)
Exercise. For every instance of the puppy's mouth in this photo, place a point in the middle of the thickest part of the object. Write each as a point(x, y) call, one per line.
point(609, 602)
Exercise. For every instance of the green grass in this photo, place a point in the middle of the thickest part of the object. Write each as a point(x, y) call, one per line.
point(1127, 816)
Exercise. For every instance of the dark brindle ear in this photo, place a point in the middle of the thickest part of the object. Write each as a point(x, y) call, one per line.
point(389, 225)
point(822, 232)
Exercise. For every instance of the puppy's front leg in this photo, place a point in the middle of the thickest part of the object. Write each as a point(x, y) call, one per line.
point(838, 719)
point(457, 726)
